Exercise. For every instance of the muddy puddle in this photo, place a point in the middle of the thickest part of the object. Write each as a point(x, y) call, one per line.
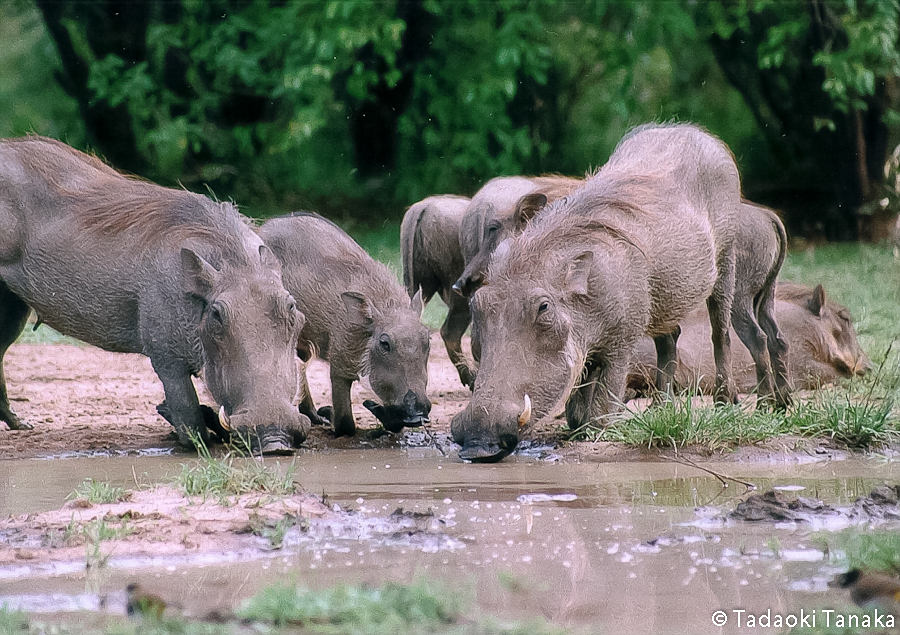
point(611, 547)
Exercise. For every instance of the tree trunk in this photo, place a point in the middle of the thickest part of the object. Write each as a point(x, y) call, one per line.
point(108, 27)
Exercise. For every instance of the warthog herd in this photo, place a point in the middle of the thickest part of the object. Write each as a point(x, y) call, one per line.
point(581, 293)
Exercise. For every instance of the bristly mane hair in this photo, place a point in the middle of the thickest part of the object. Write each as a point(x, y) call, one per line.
point(107, 202)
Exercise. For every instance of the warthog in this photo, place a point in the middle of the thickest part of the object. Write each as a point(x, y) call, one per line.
point(133, 267)
point(760, 248)
point(821, 342)
point(358, 317)
point(500, 209)
point(432, 261)
point(632, 252)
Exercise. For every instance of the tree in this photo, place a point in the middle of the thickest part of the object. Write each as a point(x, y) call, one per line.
point(821, 79)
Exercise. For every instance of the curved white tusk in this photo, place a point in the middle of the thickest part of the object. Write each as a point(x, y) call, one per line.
point(526, 414)
point(223, 418)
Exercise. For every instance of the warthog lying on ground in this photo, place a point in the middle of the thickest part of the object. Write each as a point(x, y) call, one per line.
point(432, 262)
point(358, 317)
point(822, 347)
point(632, 252)
point(133, 267)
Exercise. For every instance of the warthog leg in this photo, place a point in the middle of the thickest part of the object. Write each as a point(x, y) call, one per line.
point(307, 406)
point(598, 391)
point(719, 306)
point(666, 361)
point(755, 339)
point(343, 422)
point(777, 345)
point(452, 330)
point(13, 316)
point(181, 407)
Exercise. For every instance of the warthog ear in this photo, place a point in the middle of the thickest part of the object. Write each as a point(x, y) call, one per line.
point(268, 259)
point(817, 302)
point(527, 207)
point(578, 273)
point(199, 275)
point(359, 309)
point(416, 303)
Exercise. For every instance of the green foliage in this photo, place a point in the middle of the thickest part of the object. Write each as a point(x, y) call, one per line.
point(847, 420)
point(30, 101)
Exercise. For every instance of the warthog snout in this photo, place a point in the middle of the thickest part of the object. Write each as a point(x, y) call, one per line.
point(281, 431)
point(484, 442)
point(411, 413)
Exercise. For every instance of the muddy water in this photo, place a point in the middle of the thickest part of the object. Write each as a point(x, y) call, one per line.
point(618, 548)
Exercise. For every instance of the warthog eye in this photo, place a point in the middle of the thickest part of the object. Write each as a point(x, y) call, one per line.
point(216, 316)
point(385, 343)
point(543, 306)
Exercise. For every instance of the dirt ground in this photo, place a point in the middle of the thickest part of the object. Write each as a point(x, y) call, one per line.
point(82, 398)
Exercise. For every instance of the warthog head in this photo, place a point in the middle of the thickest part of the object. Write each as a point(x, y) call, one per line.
point(530, 357)
point(499, 224)
point(249, 328)
point(830, 338)
point(396, 360)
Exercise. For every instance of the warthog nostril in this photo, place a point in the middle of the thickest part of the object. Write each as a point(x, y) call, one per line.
point(525, 417)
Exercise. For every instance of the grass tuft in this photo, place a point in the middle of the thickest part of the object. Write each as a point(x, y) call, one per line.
point(234, 474)
point(99, 492)
point(869, 550)
point(681, 421)
point(388, 609)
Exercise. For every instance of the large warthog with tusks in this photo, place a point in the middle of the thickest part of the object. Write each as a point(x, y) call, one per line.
point(358, 317)
point(133, 267)
point(647, 238)
point(432, 261)
point(822, 347)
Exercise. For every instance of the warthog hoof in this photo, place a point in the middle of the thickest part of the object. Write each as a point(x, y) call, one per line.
point(185, 438)
point(395, 418)
point(14, 423)
point(325, 416)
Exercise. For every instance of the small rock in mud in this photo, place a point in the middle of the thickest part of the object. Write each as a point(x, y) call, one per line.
point(774, 506)
point(882, 503)
point(423, 438)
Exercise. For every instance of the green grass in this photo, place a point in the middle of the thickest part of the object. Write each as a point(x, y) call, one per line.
point(679, 421)
point(420, 607)
point(233, 475)
point(99, 492)
point(866, 549)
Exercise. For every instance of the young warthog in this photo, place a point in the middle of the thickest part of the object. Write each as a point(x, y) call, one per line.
point(432, 261)
point(130, 266)
point(500, 209)
point(642, 243)
point(358, 317)
point(820, 336)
